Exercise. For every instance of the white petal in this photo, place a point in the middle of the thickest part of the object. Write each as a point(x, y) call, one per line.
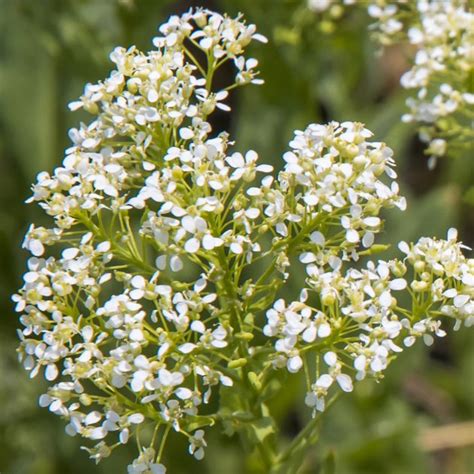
point(192, 245)
point(324, 330)
point(294, 364)
point(345, 382)
point(137, 335)
point(160, 262)
point(236, 160)
point(123, 437)
point(360, 362)
point(208, 242)
point(176, 263)
point(398, 284)
point(184, 393)
point(317, 238)
point(385, 299)
point(186, 133)
point(198, 326)
point(36, 248)
point(309, 335)
point(187, 347)
point(460, 300)
point(352, 236)
point(452, 234)
point(138, 282)
point(330, 358)
point(98, 433)
point(372, 221)
point(70, 253)
point(51, 372)
point(136, 418)
point(92, 417)
point(451, 293)
point(324, 381)
point(236, 248)
point(404, 247)
point(307, 257)
point(368, 239)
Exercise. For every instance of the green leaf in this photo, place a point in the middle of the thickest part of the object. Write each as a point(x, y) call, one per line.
point(262, 428)
point(200, 421)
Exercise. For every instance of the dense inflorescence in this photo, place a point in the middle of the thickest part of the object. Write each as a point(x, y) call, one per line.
point(159, 284)
point(441, 34)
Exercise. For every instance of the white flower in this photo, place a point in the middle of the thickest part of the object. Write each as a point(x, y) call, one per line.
point(197, 444)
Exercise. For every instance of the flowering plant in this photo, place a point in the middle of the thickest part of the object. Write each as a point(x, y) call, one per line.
point(153, 303)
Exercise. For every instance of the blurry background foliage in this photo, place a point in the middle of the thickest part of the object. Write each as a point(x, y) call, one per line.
point(315, 71)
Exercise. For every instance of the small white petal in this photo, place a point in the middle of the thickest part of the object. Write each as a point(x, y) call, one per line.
point(124, 435)
point(317, 238)
point(398, 284)
point(324, 381)
point(192, 245)
point(160, 262)
point(307, 257)
point(330, 358)
point(309, 335)
point(92, 417)
point(136, 418)
point(176, 263)
point(187, 347)
point(404, 247)
point(460, 300)
point(360, 362)
point(372, 221)
point(236, 248)
point(385, 299)
point(345, 382)
point(294, 364)
point(324, 330)
point(368, 239)
point(198, 326)
point(98, 433)
point(184, 393)
point(186, 133)
point(51, 372)
point(452, 234)
point(352, 236)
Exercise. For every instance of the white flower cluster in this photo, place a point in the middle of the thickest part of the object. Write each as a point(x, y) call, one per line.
point(167, 251)
point(142, 189)
point(333, 177)
point(354, 318)
point(442, 32)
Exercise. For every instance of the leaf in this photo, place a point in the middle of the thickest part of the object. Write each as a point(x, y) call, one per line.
point(200, 421)
point(262, 428)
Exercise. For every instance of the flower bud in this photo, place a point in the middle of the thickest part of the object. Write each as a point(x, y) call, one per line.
point(419, 266)
point(328, 299)
point(234, 364)
point(419, 286)
point(254, 381)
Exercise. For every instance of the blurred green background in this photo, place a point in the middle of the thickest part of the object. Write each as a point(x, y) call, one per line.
point(315, 71)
